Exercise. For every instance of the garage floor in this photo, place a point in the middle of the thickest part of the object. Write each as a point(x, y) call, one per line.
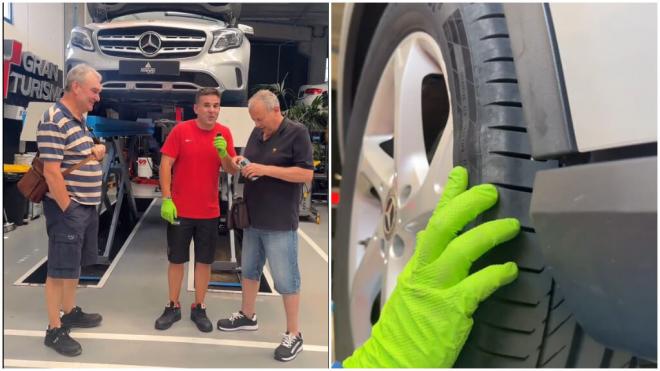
point(135, 294)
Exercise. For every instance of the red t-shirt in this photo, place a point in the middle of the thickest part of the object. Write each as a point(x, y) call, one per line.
point(196, 168)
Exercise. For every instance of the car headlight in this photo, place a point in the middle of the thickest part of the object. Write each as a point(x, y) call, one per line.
point(82, 38)
point(226, 39)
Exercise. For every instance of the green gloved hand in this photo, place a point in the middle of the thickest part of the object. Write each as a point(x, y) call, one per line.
point(168, 210)
point(220, 144)
point(428, 317)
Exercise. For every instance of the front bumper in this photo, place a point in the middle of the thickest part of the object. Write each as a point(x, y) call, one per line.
point(226, 71)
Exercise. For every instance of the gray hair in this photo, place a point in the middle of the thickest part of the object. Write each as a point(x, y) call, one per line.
point(267, 97)
point(78, 74)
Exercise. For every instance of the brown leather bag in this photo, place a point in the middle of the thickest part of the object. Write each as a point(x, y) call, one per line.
point(238, 214)
point(33, 184)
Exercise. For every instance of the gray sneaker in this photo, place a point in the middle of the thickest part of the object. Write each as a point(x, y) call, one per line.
point(238, 321)
point(289, 348)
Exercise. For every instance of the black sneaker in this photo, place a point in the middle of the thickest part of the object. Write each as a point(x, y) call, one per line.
point(170, 315)
point(238, 321)
point(59, 339)
point(198, 315)
point(78, 318)
point(289, 348)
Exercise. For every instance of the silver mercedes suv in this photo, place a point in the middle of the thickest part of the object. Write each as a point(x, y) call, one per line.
point(151, 55)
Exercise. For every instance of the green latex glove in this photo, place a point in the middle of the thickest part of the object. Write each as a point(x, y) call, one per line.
point(220, 144)
point(168, 210)
point(428, 317)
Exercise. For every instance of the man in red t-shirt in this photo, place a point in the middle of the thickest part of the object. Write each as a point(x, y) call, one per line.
point(190, 166)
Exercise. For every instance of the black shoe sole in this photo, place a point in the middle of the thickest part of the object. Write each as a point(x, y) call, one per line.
point(79, 352)
point(241, 328)
point(81, 325)
point(168, 325)
point(290, 358)
point(202, 329)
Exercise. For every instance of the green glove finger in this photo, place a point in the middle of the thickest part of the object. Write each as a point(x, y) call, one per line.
point(455, 262)
point(165, 215)
point(220, 144)
point(456, 184)
point(478, 286)
point(163, 211)
point(444, 225)
point(465, 207)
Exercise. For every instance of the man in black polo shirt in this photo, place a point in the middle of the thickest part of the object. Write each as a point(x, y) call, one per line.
point(280, 152)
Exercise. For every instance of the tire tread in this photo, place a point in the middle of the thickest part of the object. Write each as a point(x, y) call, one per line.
point(548, 336)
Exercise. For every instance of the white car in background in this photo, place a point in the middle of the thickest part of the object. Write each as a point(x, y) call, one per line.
point(307, 93)
point(160, 52)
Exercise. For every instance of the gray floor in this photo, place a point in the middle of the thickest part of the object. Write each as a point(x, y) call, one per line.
point(134, 296)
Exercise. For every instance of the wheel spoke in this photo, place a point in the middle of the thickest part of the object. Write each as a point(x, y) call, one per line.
point(365, 288)
point(418, 209)
point(411, 64)
point(376, 165)
point(400, 251)
point(380, 121)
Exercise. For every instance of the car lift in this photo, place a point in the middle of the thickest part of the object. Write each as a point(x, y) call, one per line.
point(231, 187)
point(119, 134)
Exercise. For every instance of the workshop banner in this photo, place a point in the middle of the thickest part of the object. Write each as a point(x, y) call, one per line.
point(26, 78)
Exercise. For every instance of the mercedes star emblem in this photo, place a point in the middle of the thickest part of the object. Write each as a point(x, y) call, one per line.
point(149, 43)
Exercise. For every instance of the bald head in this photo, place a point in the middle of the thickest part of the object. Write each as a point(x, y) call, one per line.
point(267, 98)
point(265, 111)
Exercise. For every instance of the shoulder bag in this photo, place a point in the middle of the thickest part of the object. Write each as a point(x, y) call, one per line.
point(33, 184)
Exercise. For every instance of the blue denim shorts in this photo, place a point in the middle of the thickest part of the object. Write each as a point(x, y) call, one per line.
point(281, 250)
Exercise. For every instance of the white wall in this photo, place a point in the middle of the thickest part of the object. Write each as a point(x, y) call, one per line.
point(40, 28)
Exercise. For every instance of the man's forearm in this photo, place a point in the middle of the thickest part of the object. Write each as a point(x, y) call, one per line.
point(228, 165)
point(165, 174)
point(57, 187)
point(292, 174)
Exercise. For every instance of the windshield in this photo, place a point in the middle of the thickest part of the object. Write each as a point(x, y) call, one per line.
point(167, 15)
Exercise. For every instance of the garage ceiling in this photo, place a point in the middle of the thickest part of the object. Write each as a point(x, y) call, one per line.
point(296, 14)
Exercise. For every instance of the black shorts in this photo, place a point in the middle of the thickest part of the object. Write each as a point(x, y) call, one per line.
point(203, 231)
point(72, 238)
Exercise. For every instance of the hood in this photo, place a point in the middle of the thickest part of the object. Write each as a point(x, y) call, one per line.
point(101, 12)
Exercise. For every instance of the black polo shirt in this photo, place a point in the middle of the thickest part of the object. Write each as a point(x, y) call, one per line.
point(273, 203)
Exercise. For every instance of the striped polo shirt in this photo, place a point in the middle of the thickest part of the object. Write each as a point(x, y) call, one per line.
point(63, 138)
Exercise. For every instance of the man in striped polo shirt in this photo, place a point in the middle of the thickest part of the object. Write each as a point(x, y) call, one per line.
point(70, 205)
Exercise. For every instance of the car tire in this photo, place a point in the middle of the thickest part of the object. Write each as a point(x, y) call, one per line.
point(524, 324)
